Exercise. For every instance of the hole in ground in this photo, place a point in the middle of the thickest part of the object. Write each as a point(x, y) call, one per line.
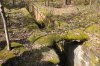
point(67, 56)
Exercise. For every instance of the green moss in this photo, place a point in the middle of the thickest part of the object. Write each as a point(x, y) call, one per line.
point(93, 60)
point(35, 36)
point(17, 48)
point(25, 12)
point(93, 29)
point(1, 30)
point(40, 38)
point(60, 46)
point(62, 24)
point(32, 26)
point(76, 35)
point(49, 39)
point(87, 44)
point(54, 60)
point(5, 55)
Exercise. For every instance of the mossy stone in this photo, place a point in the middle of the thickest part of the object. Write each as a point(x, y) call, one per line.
point(76, 35)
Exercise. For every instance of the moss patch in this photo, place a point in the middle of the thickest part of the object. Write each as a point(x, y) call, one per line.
point(17, 49)
point(4, 54)
point(94, 60)
point(76, 35)
point(51, 56)
point(49, 39)
point(35, 36)
point(54, 60)
point(32, 26)
point(93, 29)
point(25, 11)
point(87, 44)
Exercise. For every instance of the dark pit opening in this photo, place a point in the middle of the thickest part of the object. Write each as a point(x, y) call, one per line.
point(66, 56)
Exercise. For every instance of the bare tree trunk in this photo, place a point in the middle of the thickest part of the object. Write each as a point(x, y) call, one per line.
point(69, 2)
point(90, 3)
point(97, 4)
point(47, 2)
point(66, 2)
point(5, 26)
point(13, 2)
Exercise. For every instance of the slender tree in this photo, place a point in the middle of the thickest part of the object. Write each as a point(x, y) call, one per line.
point(13, 1)
point(5, 25)
point(90, 3)
point(47, 2)
point(66, 2)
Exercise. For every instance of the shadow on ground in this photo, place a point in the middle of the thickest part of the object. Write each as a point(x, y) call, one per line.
point(2, 45)
point(29, 58)
point(21, 41)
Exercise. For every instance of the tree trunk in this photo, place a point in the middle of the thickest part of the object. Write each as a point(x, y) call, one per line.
point(69, 2)
point(47, 2)
point(5, 26)
point(66, 2)
point(13, 2)
point(90, 3)
point(97, 4)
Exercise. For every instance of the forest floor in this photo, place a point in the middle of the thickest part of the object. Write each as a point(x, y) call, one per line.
point(24, 53)
point(32, 47)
